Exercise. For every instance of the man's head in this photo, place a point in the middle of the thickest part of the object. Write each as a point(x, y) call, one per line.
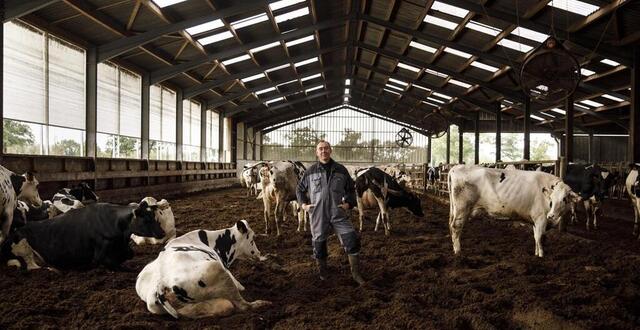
point(323, 151)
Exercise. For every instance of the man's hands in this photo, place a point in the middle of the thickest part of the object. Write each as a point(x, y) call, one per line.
point(345, 206)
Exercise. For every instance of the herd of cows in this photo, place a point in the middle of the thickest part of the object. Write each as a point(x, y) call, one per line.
point(190, 276)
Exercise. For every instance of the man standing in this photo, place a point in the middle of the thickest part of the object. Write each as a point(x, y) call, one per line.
point(331, 192)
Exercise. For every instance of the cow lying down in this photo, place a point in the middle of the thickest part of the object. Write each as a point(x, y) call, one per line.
point(534, 196)
point(167, 221)
point(190, 277)
point(97, 234)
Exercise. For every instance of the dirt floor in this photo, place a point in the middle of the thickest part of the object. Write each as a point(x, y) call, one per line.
point(586, 279)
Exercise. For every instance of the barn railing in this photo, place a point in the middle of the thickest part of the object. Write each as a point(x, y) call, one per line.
point(123, 180)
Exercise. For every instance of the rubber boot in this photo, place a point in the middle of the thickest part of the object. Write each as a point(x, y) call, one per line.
point(354, 262)
point(322, 269)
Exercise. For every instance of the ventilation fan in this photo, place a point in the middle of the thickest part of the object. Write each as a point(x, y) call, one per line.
point(435, 125)
point(550, 73)
point(404, 138)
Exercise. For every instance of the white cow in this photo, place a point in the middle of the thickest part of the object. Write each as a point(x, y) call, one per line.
point(14, 187)
point(535, 196)
point(279, 192)
point(632, 183)
point(164, 215)
point(190, 277)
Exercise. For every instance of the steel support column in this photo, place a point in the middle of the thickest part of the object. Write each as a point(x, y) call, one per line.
point(203, 134)
point(460, 146)
point(146, 88)
point(476, 147)
point(428, 150)
point(498, 132)
point(634, 109)
point(91, 89)
point(568, 130)
point(527, 129)
point(591, 158)
point(179, 124)
point(448, 145)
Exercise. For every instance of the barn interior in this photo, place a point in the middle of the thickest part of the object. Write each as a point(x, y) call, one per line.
point(174, 98)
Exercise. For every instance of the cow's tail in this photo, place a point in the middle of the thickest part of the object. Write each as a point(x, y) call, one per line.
point(161, 299)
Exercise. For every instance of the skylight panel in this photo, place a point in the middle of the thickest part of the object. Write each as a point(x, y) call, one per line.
point(292, 14)
point(560, 111)
point(347, 81)
point(440, 22)
point(346, 98)
point(442, 95)
point(305, 62)
point(449, 9)
point(580, 106)
point(390, 91)
point(547, 114)
point(313, 89)
point(423, 88)
point(613, 98)
point(167, 3)
point(286, 82)
point(537, 118)
point(529, 34)
point(266, 90)
point(483, 28)
point(609, 62)
point(514, 45)
point(346, 91)
point(395, 87)
point(249, 21)
point(277, 99)
point(277, 68)
point(592, 103)
point(215, 38)
point(310, 77)
point(436, 73)
point(236, 59)
point(457, 52)
point(212, 25)
point(459, 83)
point(408, 67)
point(435, 100)
point(300, 41)
point(586, 72)
point(422, 47)
point(399, 82)
point(431, 104)
point(574, 6)
point(284, 3)
point(254, 77)
point(484, 66)
point(264, 47)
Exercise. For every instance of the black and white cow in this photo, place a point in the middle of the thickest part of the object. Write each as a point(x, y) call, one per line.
point(25, 213)
point(164, 216)
point(98, 234)
point(15, 187)
point(375, 188)
point(632, 184)
point(591, 183)
point(298, 212)
point(73, 198)
point(190, 277)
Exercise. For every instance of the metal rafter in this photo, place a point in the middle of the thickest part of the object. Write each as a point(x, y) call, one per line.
point(17, 8)
point(266, 114)
point(298, 113)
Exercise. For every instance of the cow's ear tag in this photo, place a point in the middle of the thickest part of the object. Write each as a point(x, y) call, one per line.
point(242, 227)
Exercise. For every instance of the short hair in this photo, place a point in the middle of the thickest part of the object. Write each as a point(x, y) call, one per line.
point(323, 141)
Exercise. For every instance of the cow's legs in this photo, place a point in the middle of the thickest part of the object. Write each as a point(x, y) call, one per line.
point(6, 219)
point(596, 207)
point(360, 211)
point(23, 250)
point(267, 210)
point(377, 221)
point(636, 215)
point(280, 207)
point(538, 231)
point(384, 215)
point(587, 210)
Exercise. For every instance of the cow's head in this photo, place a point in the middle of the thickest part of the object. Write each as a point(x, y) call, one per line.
point(405, 199)
point(26, 187)
point(281, 173)
point(145, 221)
point(560, 198)
point(246, 247)
point(84, 193)
point(20, 215)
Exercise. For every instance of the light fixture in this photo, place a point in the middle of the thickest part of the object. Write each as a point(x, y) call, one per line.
point(274, 100)
point(292, 14)
point(459, 83)
point(299, 41)
point(215, 38)
point(249, 21)
point(263, 47)
point(560, 111)
point(305, 62)
point(310, 77)
point(422, 47)
point(449, 9)
point(254, 77)
point(613, 98)
point(440, 22)
point(236, 59)
point(277, 68)
point(408, 67)
point(609, 62)
point(529, 34)
point(167, 3)
point(313, 88)
point(457, 52)
point(483, 28)
point(399, 82)
point(395, 87)
point(592, 103)
point(484, 66)
point(212, 25)
point(284, 3)
point(266, 90)
point(514, 45)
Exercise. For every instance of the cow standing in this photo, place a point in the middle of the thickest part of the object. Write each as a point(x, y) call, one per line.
point(632, 183)
point(250, 179)
point(15, 187)
point(280, 190)
point(375, 188)
point(97, 234)
point(534, 196)
point(592, 184)
point(193, 268)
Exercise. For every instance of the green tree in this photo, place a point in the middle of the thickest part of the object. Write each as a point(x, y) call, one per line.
point(511, 148)
point(66, 147)
point(16, 136)
point(349, 149)
point(128, 147)
point(539, 152)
